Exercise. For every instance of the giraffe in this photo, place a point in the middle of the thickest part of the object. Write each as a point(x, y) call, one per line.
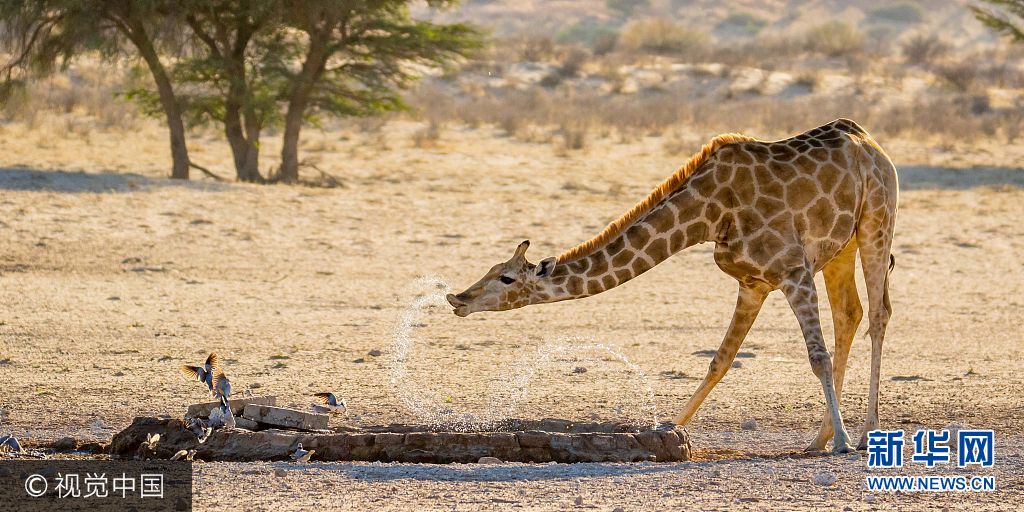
point(778, 212)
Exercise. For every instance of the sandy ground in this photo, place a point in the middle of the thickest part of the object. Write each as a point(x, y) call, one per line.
point(113, 278)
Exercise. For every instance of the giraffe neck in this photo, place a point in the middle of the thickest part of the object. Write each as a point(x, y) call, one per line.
point(672, 225)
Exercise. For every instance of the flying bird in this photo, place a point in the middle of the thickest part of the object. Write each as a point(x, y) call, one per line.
point(302, 455)
point(222, 388)
point(328, 403)
point(204, 373)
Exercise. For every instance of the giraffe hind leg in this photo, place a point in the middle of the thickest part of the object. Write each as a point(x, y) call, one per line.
point(803, 299)
point(875, 238)
point(841, 286)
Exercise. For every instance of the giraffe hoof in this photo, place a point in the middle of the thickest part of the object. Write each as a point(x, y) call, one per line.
point(665, 426)
point(842, 448)
point(814, 447)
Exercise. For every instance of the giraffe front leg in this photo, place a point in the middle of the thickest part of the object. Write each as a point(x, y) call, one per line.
point(803, 298)
point(748, 304)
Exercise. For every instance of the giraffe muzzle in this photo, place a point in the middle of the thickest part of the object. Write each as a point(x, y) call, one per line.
point(461, 308)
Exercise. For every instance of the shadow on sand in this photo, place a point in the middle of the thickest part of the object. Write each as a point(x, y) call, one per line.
point(26, 179)
point(535, 472)
point(912, 177)
point(919, 177)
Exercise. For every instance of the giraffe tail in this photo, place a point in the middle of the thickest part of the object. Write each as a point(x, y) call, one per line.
point(885, 292)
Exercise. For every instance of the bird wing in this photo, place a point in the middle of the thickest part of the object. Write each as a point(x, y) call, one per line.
point(325, 398)
point(213, 362)
point(194, 372)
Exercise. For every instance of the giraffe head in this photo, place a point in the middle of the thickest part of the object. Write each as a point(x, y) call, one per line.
point(508, 285)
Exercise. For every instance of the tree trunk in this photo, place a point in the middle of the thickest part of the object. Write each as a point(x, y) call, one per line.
point(290, 148)
point(179, 151)
point(298, 100)
point(244, 152)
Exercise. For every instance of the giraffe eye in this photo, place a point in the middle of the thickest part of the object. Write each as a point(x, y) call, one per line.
point(507, 279)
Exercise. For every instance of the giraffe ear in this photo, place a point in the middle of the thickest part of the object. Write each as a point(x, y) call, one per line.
point(545, 267)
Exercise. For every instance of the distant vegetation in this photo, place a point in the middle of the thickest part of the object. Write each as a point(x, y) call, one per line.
point(621, 74)
point(899, 12)
point(245, 66)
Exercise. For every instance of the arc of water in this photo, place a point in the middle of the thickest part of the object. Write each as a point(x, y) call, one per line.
point(428, 408)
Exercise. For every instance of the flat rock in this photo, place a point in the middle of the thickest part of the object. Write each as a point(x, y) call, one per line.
point(237, 406)
point(246, 423)
point(423, 446)
point(285, 418)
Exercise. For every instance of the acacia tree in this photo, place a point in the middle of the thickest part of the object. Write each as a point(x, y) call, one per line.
point(45, 36)
point(227, 79)
point(355, 58)
point(1005, 17)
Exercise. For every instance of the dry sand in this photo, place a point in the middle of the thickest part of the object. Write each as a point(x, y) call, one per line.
point(110, 280)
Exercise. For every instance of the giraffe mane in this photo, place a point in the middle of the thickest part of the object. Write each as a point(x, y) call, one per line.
point(671, 184)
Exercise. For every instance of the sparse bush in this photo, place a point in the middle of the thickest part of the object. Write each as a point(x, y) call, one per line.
point(925, 49)
point(660, 36)
point(626, 7)
point(899, 12)
point(598, 37)
point(960, 75)
point(835, 39)
point(427, 136)
point(573, 135)
point(744, 23)
point(573, 62)
point(536, 48)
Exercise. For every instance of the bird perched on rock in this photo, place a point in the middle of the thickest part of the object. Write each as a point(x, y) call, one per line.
point(229, 417)
point(148, 447)
point(204, 373)
point(328, 403)
point(302, 455)
point(184, 454)
point(9, 443)
point(222, 417)
point(200, 429)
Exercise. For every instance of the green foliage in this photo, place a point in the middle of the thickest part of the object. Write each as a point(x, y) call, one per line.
point(43, 37)
point(899, 12)
point(1005, 17)
point(358, 57)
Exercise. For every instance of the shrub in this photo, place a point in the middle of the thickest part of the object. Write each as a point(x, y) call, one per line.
point(923, 49)
point(599, 37)
point(625, 7)
point(900, 12)
point(657, 35)
point(960, 75)
point(835, 39)
point(744, 23)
